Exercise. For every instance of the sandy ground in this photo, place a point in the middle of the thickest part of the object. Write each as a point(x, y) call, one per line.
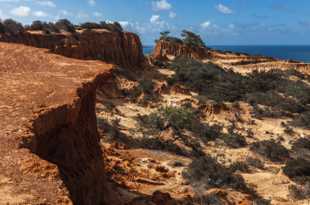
point(144, 168)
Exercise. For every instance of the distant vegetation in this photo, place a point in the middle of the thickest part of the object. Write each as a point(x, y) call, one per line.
point(12, 27)
point(116, 27)
point(165, 35)
point(192, 39)
point(188, 38)
point(194, 74)
point(43, 26)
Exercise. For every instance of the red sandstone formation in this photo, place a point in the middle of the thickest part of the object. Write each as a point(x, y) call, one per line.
point(49, 145)
point(121, 48)
point(166, 49)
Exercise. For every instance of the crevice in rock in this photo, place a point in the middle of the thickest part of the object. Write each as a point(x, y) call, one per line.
point(73, 145)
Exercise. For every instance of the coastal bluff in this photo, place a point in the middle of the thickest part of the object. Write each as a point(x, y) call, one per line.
point(49, 146)
point(165, 49)
point(120, 48)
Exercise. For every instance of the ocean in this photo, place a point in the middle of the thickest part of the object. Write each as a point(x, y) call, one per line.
point(298, 53)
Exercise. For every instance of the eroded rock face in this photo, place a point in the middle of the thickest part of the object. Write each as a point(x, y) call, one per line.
point(49, 145)
point(121, 48)
point(167, 49)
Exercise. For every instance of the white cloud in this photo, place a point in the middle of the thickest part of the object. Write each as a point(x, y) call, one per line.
point(224, 9)
point(161, 5)
point(135, 27)
point(92, 2)
point(21, 11)
point(9, 1)
point(124, 24)
point(172, 15)
point(155, 19)
point(46, 3)
point(40, 14)
point(205, 24)
point(97, 14)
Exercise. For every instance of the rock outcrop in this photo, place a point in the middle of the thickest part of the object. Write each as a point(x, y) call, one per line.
point(121, 48)
point(168, 50)
point(49, 146)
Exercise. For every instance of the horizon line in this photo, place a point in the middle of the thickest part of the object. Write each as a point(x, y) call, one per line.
point(248, 45)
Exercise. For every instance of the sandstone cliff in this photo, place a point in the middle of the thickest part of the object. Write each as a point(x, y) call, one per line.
point(121, 48)
point(168, 49)
point(49, 145)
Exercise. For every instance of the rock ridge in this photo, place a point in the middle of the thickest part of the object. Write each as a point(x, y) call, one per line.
point(165, 49)
point(121, 48)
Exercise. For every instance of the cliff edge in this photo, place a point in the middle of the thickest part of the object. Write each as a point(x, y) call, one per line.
point(48, 131)
point(121, 48)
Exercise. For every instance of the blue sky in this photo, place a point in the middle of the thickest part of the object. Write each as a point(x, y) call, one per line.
point(219, 22)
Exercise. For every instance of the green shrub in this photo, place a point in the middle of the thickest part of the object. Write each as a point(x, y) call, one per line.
point(12, 27)
point(192, 39)
point(146, 86)
point(145, 89)
point(166, 37)
point(114, 27)
point(263, 80)
point(36, 25)
point(255, 162)
point(239, 166)
point(177, 117)
point(194, 74)
point(270, 149)
point(297, 169)
point(300, 192)
point(208, 172)
point(2, 28)
point(90, 25)
point(43, 26)
point(65, 25)
point(234, 140)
